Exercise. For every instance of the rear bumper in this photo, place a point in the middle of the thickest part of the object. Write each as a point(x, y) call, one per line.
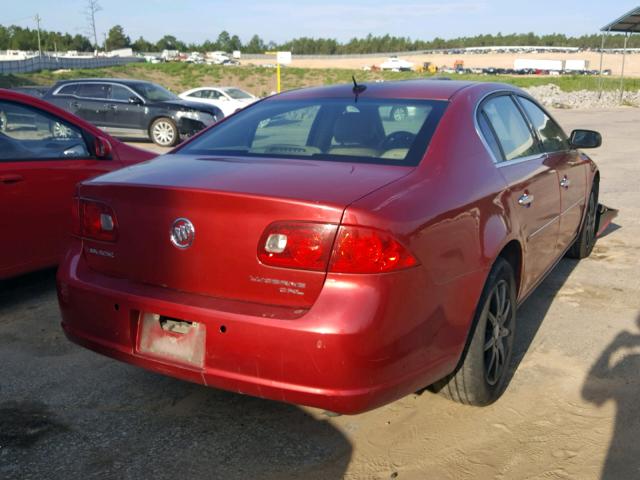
point(360, 346)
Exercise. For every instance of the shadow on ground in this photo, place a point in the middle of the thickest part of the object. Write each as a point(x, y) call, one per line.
point(614, 376)
point(68, 413)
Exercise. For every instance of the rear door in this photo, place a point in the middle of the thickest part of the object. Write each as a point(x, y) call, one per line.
point(91, 102)
point(533, 185)
point(41, 159)
point(572, 171)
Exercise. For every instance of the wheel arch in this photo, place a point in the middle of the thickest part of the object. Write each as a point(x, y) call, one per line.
point(512, 253)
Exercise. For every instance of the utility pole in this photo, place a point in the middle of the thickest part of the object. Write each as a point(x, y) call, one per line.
point(93, 7)
point(37, 19)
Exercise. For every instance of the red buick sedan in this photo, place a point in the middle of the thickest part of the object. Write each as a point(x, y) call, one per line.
point(44, 153)
point(317, 249)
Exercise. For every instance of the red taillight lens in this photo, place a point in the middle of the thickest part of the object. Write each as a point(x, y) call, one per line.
point(95, 220)
point(365, 250)
point(306, 246)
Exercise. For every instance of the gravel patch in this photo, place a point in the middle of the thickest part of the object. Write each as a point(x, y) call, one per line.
point(552, 96)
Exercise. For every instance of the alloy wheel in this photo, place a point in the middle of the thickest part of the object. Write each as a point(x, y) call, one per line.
point(591, 222)
point(498, 334)
point(163, 133)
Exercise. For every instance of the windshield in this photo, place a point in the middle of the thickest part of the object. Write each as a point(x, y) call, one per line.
point(237, 94)
point(153, 92)
point(394, 132)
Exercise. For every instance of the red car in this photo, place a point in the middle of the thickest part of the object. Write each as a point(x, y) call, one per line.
point(315, 249)
point(44, 153)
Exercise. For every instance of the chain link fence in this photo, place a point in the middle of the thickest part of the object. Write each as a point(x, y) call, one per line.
point(35, 64)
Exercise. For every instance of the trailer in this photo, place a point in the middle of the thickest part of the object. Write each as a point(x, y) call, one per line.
point(533, 64)
point(576, 65)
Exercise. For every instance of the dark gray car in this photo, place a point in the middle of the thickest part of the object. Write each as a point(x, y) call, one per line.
point(133, 108)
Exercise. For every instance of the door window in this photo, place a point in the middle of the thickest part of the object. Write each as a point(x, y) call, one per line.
point(68, 89)
point(211, 94)
point(120, 94)
point(551, 135)
point(511, 129)
point(27, 133)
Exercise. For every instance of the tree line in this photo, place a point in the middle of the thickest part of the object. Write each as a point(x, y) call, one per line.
point(19, 38)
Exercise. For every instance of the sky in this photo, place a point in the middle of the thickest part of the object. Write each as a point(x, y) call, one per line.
point(279, 20)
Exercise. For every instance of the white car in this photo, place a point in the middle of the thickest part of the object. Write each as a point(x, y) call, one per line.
point(396, 64)
point(227, 99)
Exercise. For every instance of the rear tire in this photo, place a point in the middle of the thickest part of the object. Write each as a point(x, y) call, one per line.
point(583, 246)
point(482, 375)
point(163, 132)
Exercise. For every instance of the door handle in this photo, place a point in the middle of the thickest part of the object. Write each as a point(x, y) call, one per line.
point(11, 178)
point(525, 200)
point(565, 182)
point(75, 104)
point(111, 106)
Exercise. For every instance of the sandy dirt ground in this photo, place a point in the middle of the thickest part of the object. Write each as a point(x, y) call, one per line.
point(571, 410)
point(497, 60)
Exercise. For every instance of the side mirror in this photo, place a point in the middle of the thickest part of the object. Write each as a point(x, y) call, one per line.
point(585, 139)
point(135, 100)
point(102, 148)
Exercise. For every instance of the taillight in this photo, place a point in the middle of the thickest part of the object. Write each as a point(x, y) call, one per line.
point(366, 250)
point(94, 220)
point(306, 246)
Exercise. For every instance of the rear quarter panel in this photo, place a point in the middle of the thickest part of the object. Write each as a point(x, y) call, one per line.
point(451, 212)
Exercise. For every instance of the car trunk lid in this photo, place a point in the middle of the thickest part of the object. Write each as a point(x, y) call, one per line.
point(230, 203)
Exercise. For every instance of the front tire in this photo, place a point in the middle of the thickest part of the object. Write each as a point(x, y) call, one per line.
point(163, 132)
point(583, 246)
point(481, 377)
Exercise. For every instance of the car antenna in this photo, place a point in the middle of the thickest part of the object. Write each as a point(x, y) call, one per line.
point(357, 88)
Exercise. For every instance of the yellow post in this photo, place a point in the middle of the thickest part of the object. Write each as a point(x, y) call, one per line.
point(278, 75)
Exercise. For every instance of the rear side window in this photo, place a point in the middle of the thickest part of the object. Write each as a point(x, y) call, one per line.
point(197, 94)
point(371, 130)
point(211, 94)
point(511, 129)
point(93, 90)
point(489, 136)
point(551, 135)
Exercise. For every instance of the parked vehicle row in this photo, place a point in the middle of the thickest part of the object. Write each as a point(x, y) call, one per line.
point(317, 248)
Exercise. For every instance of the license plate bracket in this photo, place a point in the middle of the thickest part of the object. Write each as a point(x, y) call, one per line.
point(171, 339)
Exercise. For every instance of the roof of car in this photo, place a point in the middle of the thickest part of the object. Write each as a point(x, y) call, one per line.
point(124, 81)
point(424, 88)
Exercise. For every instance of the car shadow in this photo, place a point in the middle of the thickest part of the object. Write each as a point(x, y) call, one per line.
point(614, 376)
point(66, 412)
point(612, 227)
point(534, 310)
point(29, 287)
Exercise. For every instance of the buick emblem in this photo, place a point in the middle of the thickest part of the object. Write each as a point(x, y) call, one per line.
point(182, 233)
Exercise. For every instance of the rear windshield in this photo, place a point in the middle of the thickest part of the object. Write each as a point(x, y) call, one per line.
point(394, 132)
